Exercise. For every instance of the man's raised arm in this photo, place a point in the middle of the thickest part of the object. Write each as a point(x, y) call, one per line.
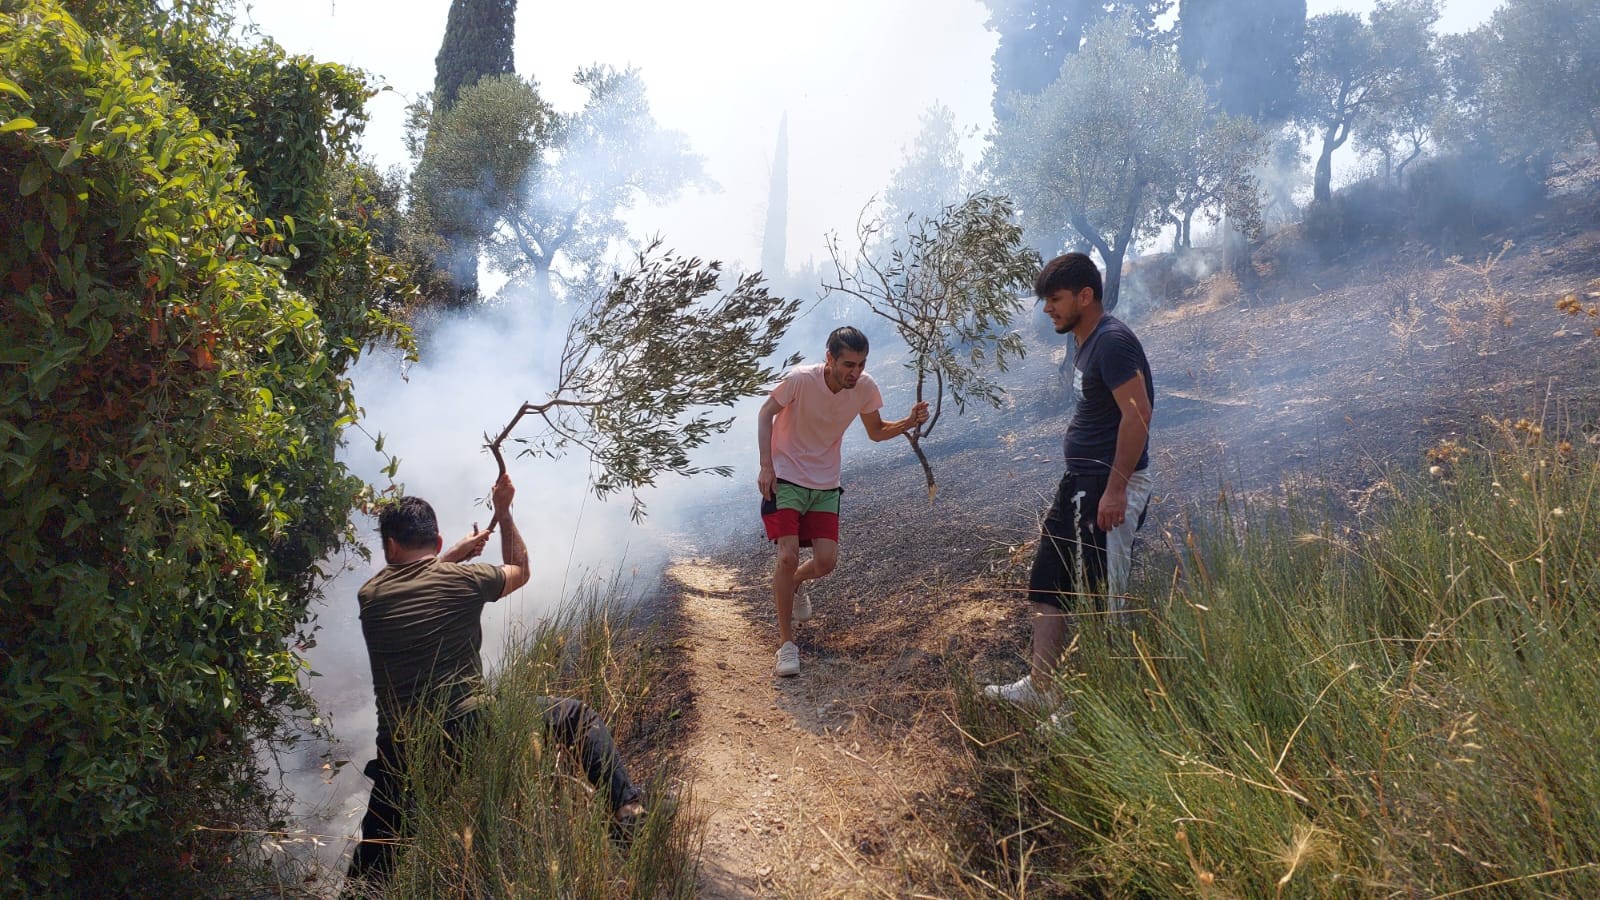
point(467, 548)
point(513, 552)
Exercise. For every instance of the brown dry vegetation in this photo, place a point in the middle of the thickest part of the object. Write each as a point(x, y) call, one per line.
point(1310, 376)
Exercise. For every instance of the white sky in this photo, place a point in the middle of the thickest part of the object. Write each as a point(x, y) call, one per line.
point(853, 77)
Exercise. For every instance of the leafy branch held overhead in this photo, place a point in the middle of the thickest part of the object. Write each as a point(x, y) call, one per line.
point(645, 365)
point(951, 287)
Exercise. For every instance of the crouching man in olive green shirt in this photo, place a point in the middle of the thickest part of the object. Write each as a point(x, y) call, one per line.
point(420, 616)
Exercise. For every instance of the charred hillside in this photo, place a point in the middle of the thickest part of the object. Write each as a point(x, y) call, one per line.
point(1322, 371)
point(1318, 377)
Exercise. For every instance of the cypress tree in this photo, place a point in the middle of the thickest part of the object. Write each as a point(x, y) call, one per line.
point(477, 43)
point(776, 236)
point(1037, 36)
point(1247, 51)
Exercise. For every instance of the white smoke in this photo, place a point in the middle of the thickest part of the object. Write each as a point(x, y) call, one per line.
point(432, 415)
point(850, 115)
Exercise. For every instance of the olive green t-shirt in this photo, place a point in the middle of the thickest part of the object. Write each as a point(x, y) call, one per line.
point(421, 623)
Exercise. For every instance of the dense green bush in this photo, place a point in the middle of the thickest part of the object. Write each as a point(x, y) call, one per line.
point(181, 298)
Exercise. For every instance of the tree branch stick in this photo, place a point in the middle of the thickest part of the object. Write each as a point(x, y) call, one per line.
point(494, 444)
point(927, 470)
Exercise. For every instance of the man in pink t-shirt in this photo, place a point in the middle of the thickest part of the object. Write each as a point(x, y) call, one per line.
point(801, 429)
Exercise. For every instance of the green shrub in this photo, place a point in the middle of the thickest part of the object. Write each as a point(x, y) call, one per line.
point(178, 312)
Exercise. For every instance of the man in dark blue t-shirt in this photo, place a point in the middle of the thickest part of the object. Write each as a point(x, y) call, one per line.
point(1086, 547)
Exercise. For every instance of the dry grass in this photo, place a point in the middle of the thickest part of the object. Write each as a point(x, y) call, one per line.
point(1397, 708)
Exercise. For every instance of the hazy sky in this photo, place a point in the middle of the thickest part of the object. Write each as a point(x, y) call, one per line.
point(853, 77)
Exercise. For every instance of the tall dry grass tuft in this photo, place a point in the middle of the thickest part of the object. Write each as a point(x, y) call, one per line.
point(515, 816)
point(1402, 706)
point(1490, 306)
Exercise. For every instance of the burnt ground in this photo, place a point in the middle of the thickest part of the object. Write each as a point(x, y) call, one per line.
point(1317, 375)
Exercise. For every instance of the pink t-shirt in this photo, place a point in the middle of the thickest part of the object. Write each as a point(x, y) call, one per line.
point(809, 430)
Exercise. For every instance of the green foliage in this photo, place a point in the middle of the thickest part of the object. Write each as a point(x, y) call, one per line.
point(1353, 69)
point(1318, 710)
point(475, 165)
point(1214, 175)
point(542, 191)
point(477, 46)
point(515, 817)
point(600, 162)
point(951, 289)
point(931, 176)
point(1248, 53)
point(180, 302)
point(1037, 36)
point(1104, 146)
point(646, 363)
point(1541, 91)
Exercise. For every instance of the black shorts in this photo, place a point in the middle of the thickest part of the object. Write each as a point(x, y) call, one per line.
point(1072, 561)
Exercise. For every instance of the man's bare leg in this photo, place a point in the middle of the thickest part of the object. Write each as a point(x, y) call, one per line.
point(783, 582)
point(824, 556)
point(1049, 643)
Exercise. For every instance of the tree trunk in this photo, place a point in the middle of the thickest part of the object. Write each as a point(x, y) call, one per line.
point(543, 286)
point(1113, 281)
point(1322, 186)
point(1400, 169)
point(1188, 225)
point(1114, 254)
point(927, 470)
point(544, 299)
point(461, 271)
point(1236, 253)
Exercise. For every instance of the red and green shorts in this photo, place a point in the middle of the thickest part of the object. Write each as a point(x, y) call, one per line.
point(800, 511)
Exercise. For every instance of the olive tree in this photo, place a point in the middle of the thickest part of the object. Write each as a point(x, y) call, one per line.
point(646, 362)
point(931, 174)
point(1102, 148)
point(1214, 176)
point(951, 289)
point(1542, 89)
point(1354, 68)
point(549, 188)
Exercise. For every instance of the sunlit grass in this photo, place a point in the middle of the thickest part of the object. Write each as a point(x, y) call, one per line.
point(516, 817)
point(1404, 705)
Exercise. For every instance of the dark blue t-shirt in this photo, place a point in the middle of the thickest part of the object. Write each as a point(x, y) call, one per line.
point(1107, 360)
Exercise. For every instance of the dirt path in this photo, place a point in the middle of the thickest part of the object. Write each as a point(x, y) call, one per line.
point(800, 797)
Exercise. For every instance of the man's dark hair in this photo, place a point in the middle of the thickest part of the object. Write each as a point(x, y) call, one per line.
point(846, 337)
point(410, 522)
point(1071, 271)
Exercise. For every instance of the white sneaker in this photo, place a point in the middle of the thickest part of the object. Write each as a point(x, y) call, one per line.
point(802, 603)
point(788, 660)
point(1020, 692)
